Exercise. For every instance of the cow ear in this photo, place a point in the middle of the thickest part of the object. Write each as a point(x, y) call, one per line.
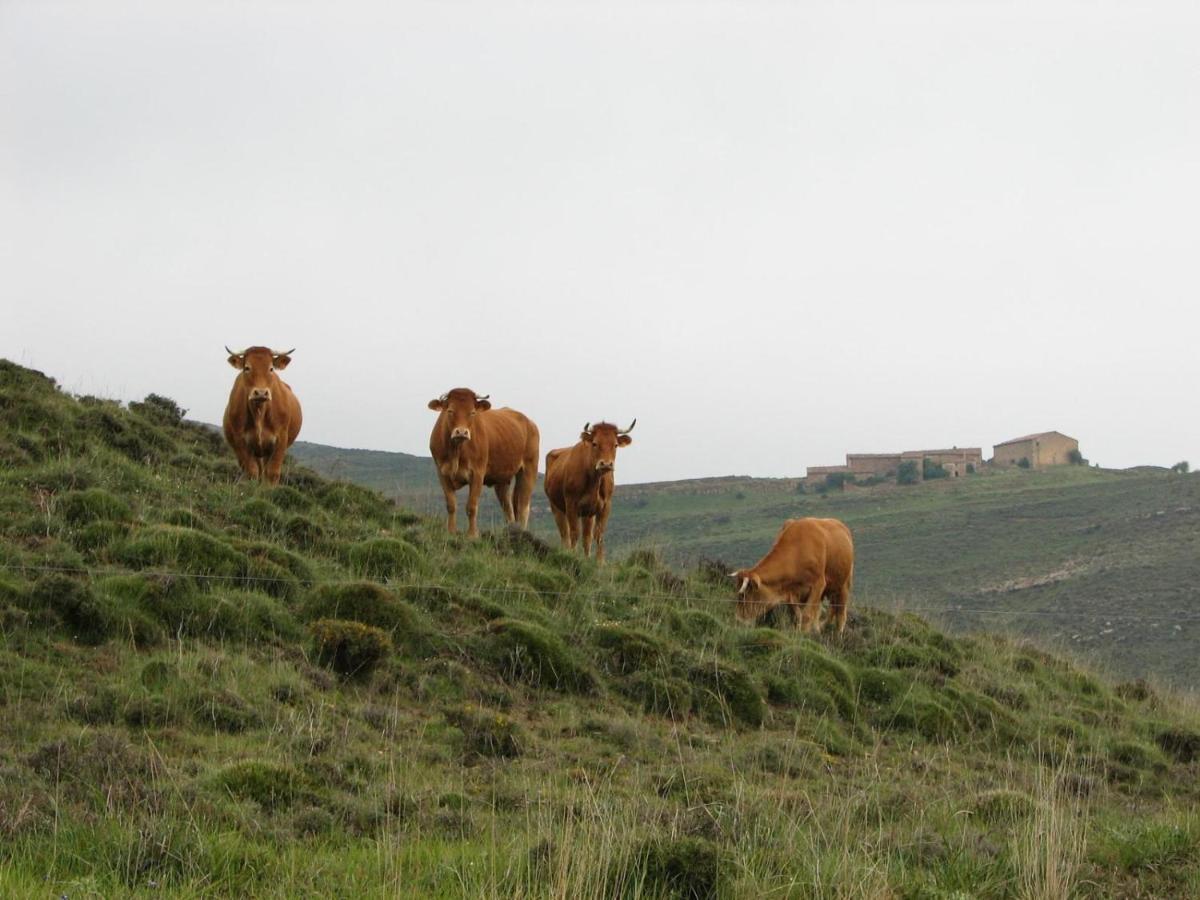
point(624, 440)
point(585, 436)
point(281, 361)
point(237, 361)
point(483, 404)
point(437, 405)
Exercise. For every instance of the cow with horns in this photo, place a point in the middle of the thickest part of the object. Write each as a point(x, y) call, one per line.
point(474, 445)
point(579, 483)
point(262, 418)
point(811, 559)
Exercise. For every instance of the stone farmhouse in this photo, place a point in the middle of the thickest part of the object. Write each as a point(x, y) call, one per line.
point(865, 465)
point(1047, 448)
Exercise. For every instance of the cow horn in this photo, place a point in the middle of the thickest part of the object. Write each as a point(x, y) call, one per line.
point(745, 584)
point(285, 352)
point(482, 396)
point(629, 429)
point(234, 353)
point(587, 427)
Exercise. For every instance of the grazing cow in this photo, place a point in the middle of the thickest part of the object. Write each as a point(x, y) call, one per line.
point(579, 483)
point(810, 560)
point(263, 416)
point(473, 445)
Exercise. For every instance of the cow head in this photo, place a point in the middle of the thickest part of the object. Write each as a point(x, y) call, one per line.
point(458, 409)
point(258, 366)
point(603, 439)
point(754, 599)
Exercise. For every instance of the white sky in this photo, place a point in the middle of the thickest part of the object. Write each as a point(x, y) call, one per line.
point(773, 232)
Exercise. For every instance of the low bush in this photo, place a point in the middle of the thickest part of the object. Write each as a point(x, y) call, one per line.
point(383, 558)
point(626, 650)
point(269, 785)
point(689, 868)
point(93, 505)
point(351, 649)
point(486, 733)
point(724, 694)
point(524, 652)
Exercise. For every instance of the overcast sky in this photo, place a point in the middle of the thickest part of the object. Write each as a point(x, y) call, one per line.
point(773, 232)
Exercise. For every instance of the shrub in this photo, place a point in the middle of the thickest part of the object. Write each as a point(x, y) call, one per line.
point(1075, 458)
point(223, 711)
point(270, 786)
point(289, 499)
point(383, 557)
point(160, 410)
point(908, 473)
point(659, 694)
point(627, 650)
point(926, 717)
point(722, 691)
point(970, 468)
point(350, 648)
point(523, 652)
point(877, 686)
point(1182, 744)
point(258, 516)
point(1003, 805)
point(302, 532)
point(1023, 462)
point(369, 604)
point(837, 481)
point(93, 505)
point(486, 733)
point(1181, 467)
point(76, 604)
point(931, 470)
point(184, 550)
point(689, 868)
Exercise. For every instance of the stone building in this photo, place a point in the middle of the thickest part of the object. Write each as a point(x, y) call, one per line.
point(885, 465)
point(1047, 448)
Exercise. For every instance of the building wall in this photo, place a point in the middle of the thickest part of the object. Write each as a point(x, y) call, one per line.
point(1054, 450)
point(868, 464)
point(1012, 454)
point(1044, 450)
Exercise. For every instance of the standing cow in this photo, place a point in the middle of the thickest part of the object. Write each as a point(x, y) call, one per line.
point(811, 559)
point(473, 445)
point(579, 483)
point(263, 416)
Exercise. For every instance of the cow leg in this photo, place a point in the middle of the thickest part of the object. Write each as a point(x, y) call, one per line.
point(560, 519)
point(839, 605)
point(273, 468)
point(526, 479)
point(474, 489)
point(572, 516)
point(504, 495)
point(246, 459)
point(810, 618)
point(588, 523)
point(601, 525)
point(451, 504)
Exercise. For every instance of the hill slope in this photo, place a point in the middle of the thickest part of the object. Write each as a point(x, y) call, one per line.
point(1105, 562)
point(212, 688)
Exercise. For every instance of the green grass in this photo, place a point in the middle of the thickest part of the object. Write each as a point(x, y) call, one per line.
point(215, 688)
point(1102, 562)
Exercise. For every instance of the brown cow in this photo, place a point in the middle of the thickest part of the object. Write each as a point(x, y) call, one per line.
point(811, 559)
point(473, 444)
point(579, 483)
point(263, 416)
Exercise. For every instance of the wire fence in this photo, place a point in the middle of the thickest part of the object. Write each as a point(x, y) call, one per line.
point(1160, 616)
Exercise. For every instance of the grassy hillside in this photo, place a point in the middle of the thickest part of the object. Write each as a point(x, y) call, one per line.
point(212, 688)
point(1104, 562)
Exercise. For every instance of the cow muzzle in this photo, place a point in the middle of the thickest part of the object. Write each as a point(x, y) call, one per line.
point(260, 395)
point(458, 435)
point(603, 466)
